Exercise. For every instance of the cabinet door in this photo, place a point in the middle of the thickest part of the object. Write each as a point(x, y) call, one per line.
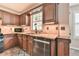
point(30, 45)
point(10, 19)
point(53, 48)
point(1, 16)
point(20, 41)
point(6, 18)
point(27, 43)
point(28, 18)
point(23, 19)
point(63, 47)
point(9, 41)
point(49, 10)
point(14, 19)
point(24, 42)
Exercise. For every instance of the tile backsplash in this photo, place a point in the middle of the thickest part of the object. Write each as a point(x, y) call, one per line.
point(62, 30)
point(6, 29)
point(26, 29)
point(49, 29)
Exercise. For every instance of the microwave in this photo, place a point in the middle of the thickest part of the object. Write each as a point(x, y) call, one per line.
point(18, 30)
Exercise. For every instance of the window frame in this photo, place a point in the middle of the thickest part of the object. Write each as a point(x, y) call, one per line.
point(38, 20)
point(74, 25)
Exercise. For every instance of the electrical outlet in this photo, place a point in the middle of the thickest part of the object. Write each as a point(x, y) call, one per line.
point(62, 28)
point(47, 28)
point(56, 28)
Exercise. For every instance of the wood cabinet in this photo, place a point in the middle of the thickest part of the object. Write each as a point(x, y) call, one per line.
point(57, 47)
point(28, 19)
point(24, 42)
point(50, 12)
point(20, 41)
point(27, 43)
point(10, 40)
point(9, 19)
point(63, 47)
point(25, 19)
point(53, 48)
point(14, 19)
point(30, 45)
point(6, 18)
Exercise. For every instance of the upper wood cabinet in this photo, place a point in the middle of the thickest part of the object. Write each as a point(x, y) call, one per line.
point(6, 18)
point(25, 19)
point(14, 19)
point(22, 19)
point(50, 12)
point(9, 19)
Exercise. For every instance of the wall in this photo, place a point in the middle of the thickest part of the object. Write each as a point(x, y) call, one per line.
point(63, 19)
point(50, 29)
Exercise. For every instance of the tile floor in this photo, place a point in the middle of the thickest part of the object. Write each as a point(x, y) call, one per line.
point(14, 52)
point(74, 52)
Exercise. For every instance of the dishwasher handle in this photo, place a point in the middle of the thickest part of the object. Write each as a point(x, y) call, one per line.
point(42, 41)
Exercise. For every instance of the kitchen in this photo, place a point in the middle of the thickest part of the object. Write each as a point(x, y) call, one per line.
point(35, 29)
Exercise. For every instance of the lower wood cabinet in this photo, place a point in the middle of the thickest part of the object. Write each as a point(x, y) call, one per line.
point(56, 47)
point(30, 45)
point(20, 40)
point(63, 47)
point(10, 40)
point(25, 43)
point(53, 48)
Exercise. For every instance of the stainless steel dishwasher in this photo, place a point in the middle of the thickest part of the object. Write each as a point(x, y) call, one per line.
point(41, 47)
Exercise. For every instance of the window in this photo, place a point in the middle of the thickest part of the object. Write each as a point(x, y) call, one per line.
point(37, 21)
point(76, 24)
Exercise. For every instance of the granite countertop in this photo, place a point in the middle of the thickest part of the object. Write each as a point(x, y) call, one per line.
point(49, 36)
point(43, 35)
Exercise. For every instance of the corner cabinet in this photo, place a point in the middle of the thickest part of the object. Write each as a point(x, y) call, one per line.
point(50, 12)
point(22, 19)
point(25, 19)
point(10, 40)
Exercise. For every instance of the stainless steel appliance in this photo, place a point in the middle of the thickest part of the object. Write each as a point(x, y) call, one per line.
point(18, 30)
point(1, 43)
point(41, 47)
